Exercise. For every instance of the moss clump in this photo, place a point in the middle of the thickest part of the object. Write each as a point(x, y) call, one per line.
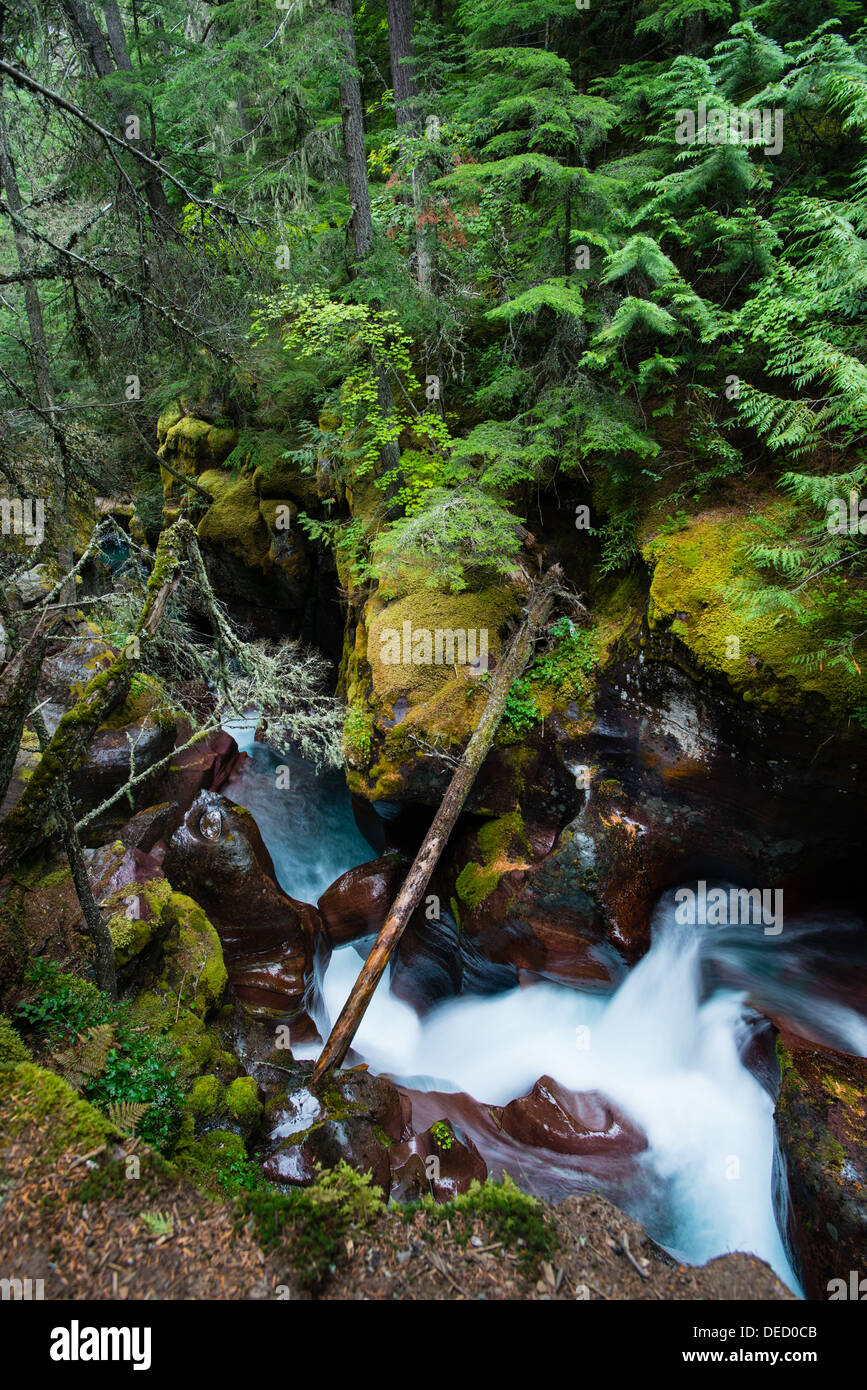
point(429, 611)
point(310, 1223)
point(503, 846)
point(698, 573)
point(243, 1103)
point(204, 1097)
point(218, 1162)
point(130, 936)
point(29, 1095)
point(511, 1216)
point(12, 1047)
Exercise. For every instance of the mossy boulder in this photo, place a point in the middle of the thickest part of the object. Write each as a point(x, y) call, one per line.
point(699, 572)
point(821, 1120)
point(30, 1095)
point(204, 1097)
point(502, 846)
point(243, 1103)
point(249, 539)
point(432, 697)
point(191, 445)
point(217, 1161)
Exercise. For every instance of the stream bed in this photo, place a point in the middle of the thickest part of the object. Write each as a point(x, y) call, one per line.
point(666, 1046)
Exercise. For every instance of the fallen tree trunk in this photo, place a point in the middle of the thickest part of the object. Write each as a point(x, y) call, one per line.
point(24, 826)
point(537, 613)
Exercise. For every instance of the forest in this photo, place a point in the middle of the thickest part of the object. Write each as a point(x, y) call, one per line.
point(433, 616)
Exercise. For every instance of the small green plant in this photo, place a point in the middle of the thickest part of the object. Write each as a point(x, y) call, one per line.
point(571, 658)
point(512, 1216)
point(158, 1223)
point(522, 711)
point(98, 1050)
point(310, 1223)
point(357, 734)
point(442, 1134)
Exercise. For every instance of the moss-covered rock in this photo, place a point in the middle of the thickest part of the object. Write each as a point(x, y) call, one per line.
point(217, 1161)
point(243, 1103)
point(30, 1095)
point(191, 445)
point(698, 573)
point(502, 845)
point(12, 1047)
point(204, 1097)
point(821, 1120)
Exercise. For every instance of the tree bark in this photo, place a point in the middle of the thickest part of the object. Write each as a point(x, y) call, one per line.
point(24, 826)
point(538, 610)
point(402, 61)
point(400, 25)
point(106, 59)
point(352, 120)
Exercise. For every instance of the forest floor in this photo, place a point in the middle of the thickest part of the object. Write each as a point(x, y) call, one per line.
point(87, 1237)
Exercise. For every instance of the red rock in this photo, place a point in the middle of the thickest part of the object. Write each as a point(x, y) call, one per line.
point(569, 1122)
point(357, 903)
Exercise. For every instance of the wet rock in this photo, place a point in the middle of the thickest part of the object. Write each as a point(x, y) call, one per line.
point(433, 962)
point(821, 1121)
point(427, 966)
point(106, 765)
point(353, 1117)
point(569, 1122)
point(354, 1141)
point(445, 1155)
point(217, 855)
point(409, 1181)
point(357, 903)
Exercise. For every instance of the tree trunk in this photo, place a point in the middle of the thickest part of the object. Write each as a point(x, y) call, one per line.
point(24, 826)
point(400, 25)
point(340, 1039)
point(104, 62)
point(402, 61)
point(352, 120)
point(97, 927)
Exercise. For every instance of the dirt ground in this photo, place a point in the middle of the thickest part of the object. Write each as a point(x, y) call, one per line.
point(89, 1238)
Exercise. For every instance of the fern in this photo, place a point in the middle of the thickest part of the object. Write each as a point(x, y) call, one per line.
point(127, 1113)
point(87, 1057)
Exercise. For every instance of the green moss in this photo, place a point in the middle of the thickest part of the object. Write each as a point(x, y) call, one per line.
point(503, 846)
point(430, 610)
point(204, 1097)
point(309, 1225)
point(129, 937)
point(234, 522)
point(218, 1162)
point(31, 1095)
point(242, 1101)
point(697, 573)
point(12, 1047)
point(512, 1216)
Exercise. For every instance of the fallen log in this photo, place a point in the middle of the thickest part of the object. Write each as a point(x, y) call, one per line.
point(538, 610)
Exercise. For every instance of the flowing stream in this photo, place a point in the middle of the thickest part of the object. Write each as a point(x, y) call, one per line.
point(665, 1046)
